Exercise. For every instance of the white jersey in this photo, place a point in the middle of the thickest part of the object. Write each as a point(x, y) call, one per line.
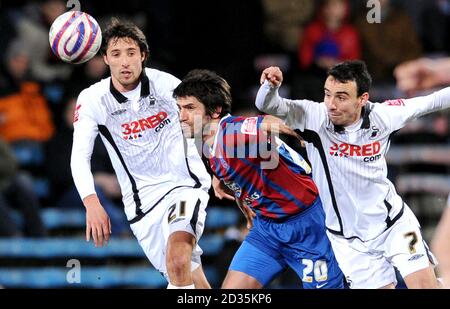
point(349, 165)
point(143, 137)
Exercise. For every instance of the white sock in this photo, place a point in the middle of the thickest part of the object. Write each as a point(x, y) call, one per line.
point(171, 286)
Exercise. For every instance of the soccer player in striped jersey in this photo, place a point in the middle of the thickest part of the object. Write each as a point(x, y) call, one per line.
point(162, 178)
point(370, 227)
point(266, 175)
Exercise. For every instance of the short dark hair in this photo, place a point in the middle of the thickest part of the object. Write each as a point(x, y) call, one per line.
point(118, 29)
point(209, 88)
point(354, 70)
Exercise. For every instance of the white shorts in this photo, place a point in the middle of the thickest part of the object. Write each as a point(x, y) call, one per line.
point(181, 210)
point(369, 265)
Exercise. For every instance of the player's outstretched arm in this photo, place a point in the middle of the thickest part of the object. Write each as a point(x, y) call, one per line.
point(98, 223)
point(274, 125)
point(399, 112)
point(292, 112)
point(267, 99)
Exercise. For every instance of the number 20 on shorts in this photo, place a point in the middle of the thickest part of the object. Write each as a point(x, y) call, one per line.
point(319, 270)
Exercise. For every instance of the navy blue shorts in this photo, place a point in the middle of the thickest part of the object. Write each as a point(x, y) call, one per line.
point(300, 242)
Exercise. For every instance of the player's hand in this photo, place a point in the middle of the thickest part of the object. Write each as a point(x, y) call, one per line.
point(248, 213)
point(411, 74)
point(220, 190)
point(422, 74)
point(273, 75)
point(97, 221)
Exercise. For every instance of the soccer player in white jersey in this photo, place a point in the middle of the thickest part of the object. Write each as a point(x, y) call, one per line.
point(163, 181)
point(370, 227)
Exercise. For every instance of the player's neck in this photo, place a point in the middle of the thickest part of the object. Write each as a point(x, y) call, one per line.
point(355, 120)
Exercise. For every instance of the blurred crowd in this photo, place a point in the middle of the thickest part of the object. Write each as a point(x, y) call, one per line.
point(234, 38)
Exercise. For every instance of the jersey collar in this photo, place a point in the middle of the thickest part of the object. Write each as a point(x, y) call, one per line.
point(219, 128)
point(365, 116)
point(145, 89)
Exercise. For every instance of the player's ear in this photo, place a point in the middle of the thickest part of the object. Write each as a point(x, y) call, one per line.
point(105, 59)
point(217, 112)
point(363, 99)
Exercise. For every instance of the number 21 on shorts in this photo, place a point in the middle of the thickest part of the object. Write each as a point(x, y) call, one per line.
point(177, 212)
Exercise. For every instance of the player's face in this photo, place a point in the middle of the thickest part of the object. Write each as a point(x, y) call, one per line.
point(343, 104)
point(193, 116)
point(124, 58)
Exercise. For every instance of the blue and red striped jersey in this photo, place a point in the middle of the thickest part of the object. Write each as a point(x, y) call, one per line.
point(262, 170)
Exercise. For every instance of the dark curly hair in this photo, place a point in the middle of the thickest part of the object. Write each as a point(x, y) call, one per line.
point(118, 29)
point(354, 70)
point(207, 87)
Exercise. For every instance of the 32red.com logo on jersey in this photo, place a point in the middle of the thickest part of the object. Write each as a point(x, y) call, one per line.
point(370, 152)
point(133, 129)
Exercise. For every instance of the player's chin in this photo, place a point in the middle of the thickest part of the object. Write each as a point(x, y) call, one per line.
point(336, 119)
point(187, 132)
point(127, 79)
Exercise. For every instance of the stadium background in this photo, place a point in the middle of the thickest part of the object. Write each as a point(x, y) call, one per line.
point(41, 217)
